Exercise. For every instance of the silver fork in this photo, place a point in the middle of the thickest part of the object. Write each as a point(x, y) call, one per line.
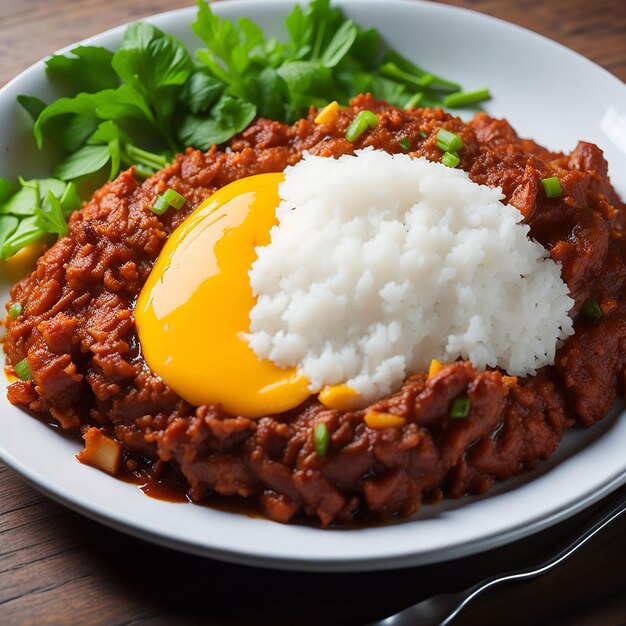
point(440, 610)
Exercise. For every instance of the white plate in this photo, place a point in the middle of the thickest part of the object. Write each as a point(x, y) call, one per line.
point(547, 92)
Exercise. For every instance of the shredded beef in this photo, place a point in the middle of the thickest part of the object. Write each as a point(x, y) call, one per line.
point(77, 332)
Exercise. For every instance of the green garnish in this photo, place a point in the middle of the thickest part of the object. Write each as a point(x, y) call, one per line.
point(363, 121)
point(169, 198)
point(141, 171)
point(592, 308)
point(466, 98)
point(15, 310)
point(141, 104)
point(448, 141)
point(173, 198)
point(40, 207)
point(460, 408)
point(321, 437)
point(23, 370)
point(552, 187)
point(450, 159)
point(413, 101)
point(160, 206)
point(405, 143)
point(423, 134)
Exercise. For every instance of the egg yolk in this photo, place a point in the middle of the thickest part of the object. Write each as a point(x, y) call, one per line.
point(193, 312)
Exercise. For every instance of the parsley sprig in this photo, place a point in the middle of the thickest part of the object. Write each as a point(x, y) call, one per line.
point(150, 99)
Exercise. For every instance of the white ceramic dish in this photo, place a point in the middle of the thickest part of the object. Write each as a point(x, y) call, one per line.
point(547, 92)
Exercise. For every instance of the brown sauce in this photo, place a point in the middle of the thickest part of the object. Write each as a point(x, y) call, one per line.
point(80, 339)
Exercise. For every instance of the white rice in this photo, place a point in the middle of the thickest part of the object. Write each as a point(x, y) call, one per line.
point(381, 263)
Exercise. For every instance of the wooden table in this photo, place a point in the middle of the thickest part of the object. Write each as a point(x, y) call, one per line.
point(57, 567)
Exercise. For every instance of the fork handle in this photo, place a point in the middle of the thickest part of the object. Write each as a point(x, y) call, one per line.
point(609, 513)
point(441, 609)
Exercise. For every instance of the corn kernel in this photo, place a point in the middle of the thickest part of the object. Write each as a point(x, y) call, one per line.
point(21, 263)
point(435, 366)
point(378, 420)
point(101, 451)
point(328, 113)
point(339, 397)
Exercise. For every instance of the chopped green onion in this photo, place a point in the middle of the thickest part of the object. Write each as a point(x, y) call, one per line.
point(448, 141)
point(360, 124)
point(173, 198)
point(356, 129)
point(370, 117)
point(22, 370)
point(466, 98)
point(160, 206)
point(143, 157)
point(321, 439)
point(142, 171)
point(552, 187)
point(15, 310)
point(405, 143)
point(450, 159)
point(413, 101)
point(423, 134)
point(592, 308)
point(460, 408)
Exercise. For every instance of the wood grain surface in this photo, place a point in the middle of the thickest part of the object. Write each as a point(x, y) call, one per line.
point(57, 567)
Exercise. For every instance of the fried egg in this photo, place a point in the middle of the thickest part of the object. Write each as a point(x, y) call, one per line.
point(192, 314)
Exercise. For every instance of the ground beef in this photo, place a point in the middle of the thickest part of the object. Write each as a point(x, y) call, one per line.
point(78, 334)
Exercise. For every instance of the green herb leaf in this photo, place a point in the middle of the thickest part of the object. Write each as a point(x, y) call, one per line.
point(227, 118)
point(367, 48)
point(201, 91)
point(70, 200)
point(50, 215)
point(8, 225)
point(107, 132)
point(6, 189)
point(126, 103)
point(70, 121)
point(86, 160)
point(299, 29)
point(151, 59)
point(272, 94)
point(149, 95)
point(33, 106)
point(22, 203)
point(414, 74)
point(87, 68)
point(27, 232)
point(116, 157)
point(39, 207)
point(153, 66)
point(340, 44)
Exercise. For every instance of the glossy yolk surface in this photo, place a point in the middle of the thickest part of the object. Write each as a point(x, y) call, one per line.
point(193, 311)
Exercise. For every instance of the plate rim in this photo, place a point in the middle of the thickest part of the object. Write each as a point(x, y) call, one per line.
point(356, 562)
